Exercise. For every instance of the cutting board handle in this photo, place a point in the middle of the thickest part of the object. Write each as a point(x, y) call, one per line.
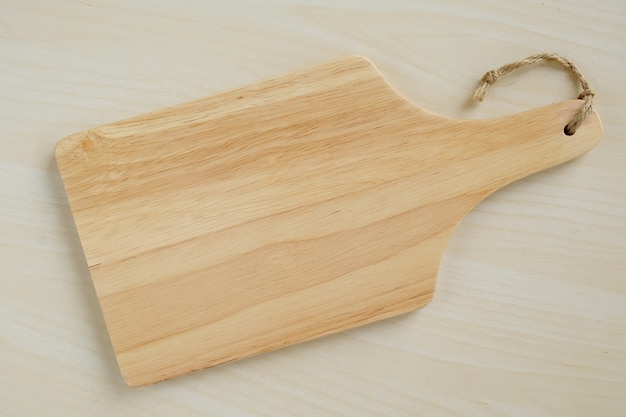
point(515, 146)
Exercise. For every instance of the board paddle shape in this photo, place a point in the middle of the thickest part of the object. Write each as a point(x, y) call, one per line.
point(284, 211)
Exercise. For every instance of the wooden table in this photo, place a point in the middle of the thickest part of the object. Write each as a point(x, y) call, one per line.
point(529, 317)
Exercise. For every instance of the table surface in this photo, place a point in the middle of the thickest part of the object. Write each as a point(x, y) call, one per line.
point(529, 316)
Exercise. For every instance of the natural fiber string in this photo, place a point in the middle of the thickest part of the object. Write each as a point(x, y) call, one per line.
point(586, 95)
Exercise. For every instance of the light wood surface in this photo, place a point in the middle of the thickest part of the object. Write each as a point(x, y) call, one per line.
point(283, 211)
point(529, 314)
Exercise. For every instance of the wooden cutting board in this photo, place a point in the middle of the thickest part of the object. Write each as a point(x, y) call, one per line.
point(284, 211)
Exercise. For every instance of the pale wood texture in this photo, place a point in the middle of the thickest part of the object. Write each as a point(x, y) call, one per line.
point(283, 211)
point(529, 313)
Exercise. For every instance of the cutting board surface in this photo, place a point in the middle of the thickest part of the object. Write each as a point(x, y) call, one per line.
point(283, 211)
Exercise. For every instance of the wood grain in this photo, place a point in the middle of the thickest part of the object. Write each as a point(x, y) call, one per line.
point(529, 313)
point(283, 211)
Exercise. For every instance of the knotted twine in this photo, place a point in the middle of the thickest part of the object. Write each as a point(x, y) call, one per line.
point(586, 95)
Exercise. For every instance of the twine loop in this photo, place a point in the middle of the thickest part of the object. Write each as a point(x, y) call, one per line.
point(586, 95)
